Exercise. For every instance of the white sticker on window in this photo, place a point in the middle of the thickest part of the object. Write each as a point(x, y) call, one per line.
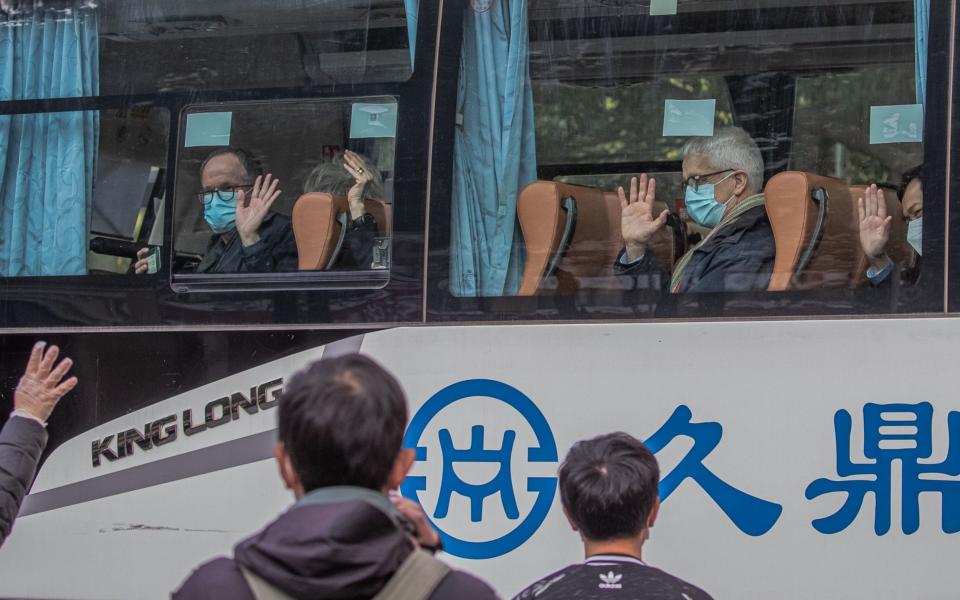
point(689, 118)
point(896, 124)
point(373, 121)
point(208, 129)
point(663, 7)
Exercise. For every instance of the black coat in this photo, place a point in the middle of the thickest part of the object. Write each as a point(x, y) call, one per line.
point(737, 258)
point(21, 443)
point(276, 252)
point(347, 549)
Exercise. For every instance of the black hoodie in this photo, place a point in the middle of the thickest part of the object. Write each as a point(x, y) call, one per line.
point(339, 550)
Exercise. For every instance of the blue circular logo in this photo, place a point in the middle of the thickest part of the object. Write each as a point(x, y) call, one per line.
point(502, 484)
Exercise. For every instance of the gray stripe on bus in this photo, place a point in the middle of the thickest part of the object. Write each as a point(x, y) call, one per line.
point(234, 453)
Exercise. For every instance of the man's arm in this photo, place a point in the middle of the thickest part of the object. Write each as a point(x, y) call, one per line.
point(359, 245)
point(874, 235)
point(22, 440)
point(275, 251)
point(23, 436)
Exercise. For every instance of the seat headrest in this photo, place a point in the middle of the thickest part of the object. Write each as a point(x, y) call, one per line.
point(595, 242)
point(317, 230)
point(824, 248)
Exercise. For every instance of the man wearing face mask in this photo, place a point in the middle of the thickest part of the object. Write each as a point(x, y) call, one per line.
point(874, 237)
point(723, 183)
point(248, 236)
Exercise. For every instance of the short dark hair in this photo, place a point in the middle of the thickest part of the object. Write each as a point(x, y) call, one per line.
point(248, 160)
point(905, 179)
point(608, 486)
point(341, 421)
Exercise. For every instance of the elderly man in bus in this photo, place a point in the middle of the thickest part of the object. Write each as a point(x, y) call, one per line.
point(248, 236)
point(722, 183)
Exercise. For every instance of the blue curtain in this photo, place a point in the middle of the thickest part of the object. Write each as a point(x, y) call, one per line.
point(412, 6)
point(47, 160)
point(495, 149)
point(922, 28)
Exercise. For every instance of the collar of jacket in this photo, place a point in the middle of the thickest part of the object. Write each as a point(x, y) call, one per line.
point(348, 493)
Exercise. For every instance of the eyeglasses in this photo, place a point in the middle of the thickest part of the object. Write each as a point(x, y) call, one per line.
point(225, 194)
point(694, 181)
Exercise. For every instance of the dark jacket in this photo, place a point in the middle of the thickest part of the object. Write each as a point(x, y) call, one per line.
point(737, 258)
point(346, 549)
point(22, 441)
point(275, 252)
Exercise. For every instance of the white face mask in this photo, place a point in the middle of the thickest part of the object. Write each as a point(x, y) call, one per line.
point(915, 235)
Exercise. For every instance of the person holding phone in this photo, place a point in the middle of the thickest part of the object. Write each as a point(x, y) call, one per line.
point(248, 236)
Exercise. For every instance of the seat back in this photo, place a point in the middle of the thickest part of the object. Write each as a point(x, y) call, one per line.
point(319, 225)
point(816, 228)
point(574, 231)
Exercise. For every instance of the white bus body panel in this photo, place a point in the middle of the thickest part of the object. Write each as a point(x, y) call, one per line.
point(774, 387)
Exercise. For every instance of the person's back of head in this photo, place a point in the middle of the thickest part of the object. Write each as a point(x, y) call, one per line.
point(333, 178)
point(730, 148)
point(341, 423)
point(609, 487)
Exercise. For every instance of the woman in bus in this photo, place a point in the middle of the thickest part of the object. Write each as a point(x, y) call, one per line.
point(352, 176)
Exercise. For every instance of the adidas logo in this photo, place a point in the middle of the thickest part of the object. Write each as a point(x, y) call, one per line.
point(610, 581)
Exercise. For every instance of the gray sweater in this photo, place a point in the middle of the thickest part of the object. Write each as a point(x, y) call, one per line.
point(21, 443)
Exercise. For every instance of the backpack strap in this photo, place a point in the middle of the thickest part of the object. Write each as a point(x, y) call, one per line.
point(261, 588)
point(416, 578)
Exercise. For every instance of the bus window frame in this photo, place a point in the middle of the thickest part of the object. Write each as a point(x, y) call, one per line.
point(928, 296)
point(316, 280)
point(131, 302)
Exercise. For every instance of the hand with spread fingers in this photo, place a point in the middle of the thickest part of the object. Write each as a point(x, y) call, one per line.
point(637, 223)
point(874, 226)
point(362, 175)
point(251, 211)
point(41, 388)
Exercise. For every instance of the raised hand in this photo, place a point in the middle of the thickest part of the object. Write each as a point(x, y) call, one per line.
point(358, 169)
point(250, 213)
point(637, 223)
point(425, 534)
point(874, 226)
point(40, 387)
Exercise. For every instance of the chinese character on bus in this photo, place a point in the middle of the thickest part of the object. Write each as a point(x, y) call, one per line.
point(752, 515)
point(892, 432)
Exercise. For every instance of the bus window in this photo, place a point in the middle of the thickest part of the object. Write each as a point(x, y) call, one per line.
point(145, 47)
point(285, 187)
point(81, 191)
point(765, 129)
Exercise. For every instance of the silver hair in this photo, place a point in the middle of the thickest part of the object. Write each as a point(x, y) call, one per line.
point(331, 177)
point(730, 148)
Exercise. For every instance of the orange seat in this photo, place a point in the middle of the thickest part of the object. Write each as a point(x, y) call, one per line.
point(319, 226)
point(574, 232)
point(816, 227)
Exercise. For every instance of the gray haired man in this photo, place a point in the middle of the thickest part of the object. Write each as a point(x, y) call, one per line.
point(722, 185)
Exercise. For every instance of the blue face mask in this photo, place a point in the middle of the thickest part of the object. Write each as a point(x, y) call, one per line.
point(915, 234)
point(702, 205)
point(219, 213)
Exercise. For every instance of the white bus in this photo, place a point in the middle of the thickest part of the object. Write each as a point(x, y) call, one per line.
point(807, 426)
